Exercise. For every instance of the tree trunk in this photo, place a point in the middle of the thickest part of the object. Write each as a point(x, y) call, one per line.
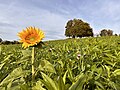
point(73, 36)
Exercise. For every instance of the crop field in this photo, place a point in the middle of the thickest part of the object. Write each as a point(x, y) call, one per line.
point(70, 64)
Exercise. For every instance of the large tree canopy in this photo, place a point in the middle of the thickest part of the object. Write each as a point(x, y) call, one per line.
point(78, 28)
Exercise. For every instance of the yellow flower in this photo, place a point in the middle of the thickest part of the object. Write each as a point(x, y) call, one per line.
point(31, 36)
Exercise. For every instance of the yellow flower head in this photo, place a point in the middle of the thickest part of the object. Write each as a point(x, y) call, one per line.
point(31, 36)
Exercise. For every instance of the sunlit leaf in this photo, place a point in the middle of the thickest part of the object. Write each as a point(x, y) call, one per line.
point(49, 83)
point(78, 85)
point(46, 66)
point(116, 72)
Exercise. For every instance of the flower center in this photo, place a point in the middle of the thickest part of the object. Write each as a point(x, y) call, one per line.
point(32, 39)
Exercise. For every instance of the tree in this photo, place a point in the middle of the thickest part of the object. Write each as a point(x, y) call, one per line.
point(0, 39)
point(106, 32)
point(116, 35)
point(78, 28)
point(103, 32)
point(110, 32)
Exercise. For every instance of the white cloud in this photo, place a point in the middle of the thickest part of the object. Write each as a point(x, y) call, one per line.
point(21, 18)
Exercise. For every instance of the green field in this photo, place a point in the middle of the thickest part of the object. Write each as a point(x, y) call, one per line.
point(70, 64)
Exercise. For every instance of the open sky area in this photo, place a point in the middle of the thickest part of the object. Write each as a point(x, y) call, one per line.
point(52, 15)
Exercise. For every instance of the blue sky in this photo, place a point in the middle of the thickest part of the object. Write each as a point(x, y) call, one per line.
point(52, 15)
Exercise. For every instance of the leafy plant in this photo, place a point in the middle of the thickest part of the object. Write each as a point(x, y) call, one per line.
point(71, 64)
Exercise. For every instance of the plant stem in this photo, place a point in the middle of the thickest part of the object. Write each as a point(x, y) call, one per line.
point(33, 69)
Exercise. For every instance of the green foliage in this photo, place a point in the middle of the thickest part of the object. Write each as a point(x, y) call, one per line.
point(78, 28)
point(71, 64)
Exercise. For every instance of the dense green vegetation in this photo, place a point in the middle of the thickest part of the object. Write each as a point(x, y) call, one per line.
point(71, 64)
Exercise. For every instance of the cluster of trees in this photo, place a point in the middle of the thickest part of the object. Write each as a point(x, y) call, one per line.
point(8, 42)
point(106, 32)
point(78, 28)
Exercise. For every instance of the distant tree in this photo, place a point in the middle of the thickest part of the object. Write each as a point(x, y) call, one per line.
point(106, 32)
point(0, 39)
point(6, 42)
point(9, 42)
point(15, 42)
point(103, 32)
point(110, 32)
point(78, 28)
point(116, 35)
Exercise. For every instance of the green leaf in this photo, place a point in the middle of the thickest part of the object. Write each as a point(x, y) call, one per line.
point(26, 53)
point(113, 85)
point(15, 74)
point(109, 62)
point(48, 82)
point(82, 66)
point(2, 88)
point(93, 68)
point(1, 65)
point(6, 59)
point(61, 63)
point(110, 56)
point(108, 70)
point(64, 77)
point(116, 72)
point(38, 86)
point(61, 84)
point(46, 66)
point(100, 85)
point(70, 75)
point(78, 85)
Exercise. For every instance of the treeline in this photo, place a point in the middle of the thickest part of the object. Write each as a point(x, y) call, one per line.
point(8, 42)
point(79, 28)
